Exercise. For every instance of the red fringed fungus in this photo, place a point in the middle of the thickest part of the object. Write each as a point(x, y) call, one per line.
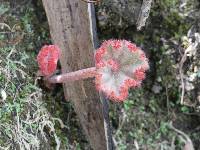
point(47, 59)
point(120, 65)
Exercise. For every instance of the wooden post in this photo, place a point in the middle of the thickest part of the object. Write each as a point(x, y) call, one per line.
point(70, 30)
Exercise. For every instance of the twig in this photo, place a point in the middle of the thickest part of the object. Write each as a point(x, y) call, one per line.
point(136, 145)
point(188, 142)
point(62, 125)
point(2, 25)
point(91, 1)
point(121, 123)
point(191, 48)
point(183, 59)
point(167, 96)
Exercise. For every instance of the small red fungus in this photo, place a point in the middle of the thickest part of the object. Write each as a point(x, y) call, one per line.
point(47, 59)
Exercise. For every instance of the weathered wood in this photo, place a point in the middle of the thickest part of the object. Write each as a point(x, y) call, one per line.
point(69, 27)
point(127, 10)
point(144, 13)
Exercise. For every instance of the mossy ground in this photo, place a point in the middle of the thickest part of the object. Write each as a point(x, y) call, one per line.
point(143, 120)
point(30, 113)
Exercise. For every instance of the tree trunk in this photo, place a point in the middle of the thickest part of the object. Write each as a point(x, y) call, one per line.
point(70, 30)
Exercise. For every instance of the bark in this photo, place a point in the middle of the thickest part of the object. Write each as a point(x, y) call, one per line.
point(126, 9)
point(144, 13)
point(70, 30)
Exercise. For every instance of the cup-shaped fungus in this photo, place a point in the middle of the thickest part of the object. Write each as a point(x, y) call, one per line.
point(47, 59)
point(120, 65)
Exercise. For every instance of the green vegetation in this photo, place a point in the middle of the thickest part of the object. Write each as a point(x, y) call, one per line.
point(25, 119)
point(145, 118)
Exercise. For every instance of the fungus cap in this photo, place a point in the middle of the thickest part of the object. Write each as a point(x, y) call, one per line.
point(47, 59)
point(120, 65)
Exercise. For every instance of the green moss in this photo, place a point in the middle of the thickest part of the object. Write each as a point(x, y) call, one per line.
point(147, 114)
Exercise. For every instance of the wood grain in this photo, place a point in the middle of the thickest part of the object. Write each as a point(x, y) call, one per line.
point(70, 30)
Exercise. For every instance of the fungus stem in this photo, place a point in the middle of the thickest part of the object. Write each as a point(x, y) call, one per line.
point(73, 76)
